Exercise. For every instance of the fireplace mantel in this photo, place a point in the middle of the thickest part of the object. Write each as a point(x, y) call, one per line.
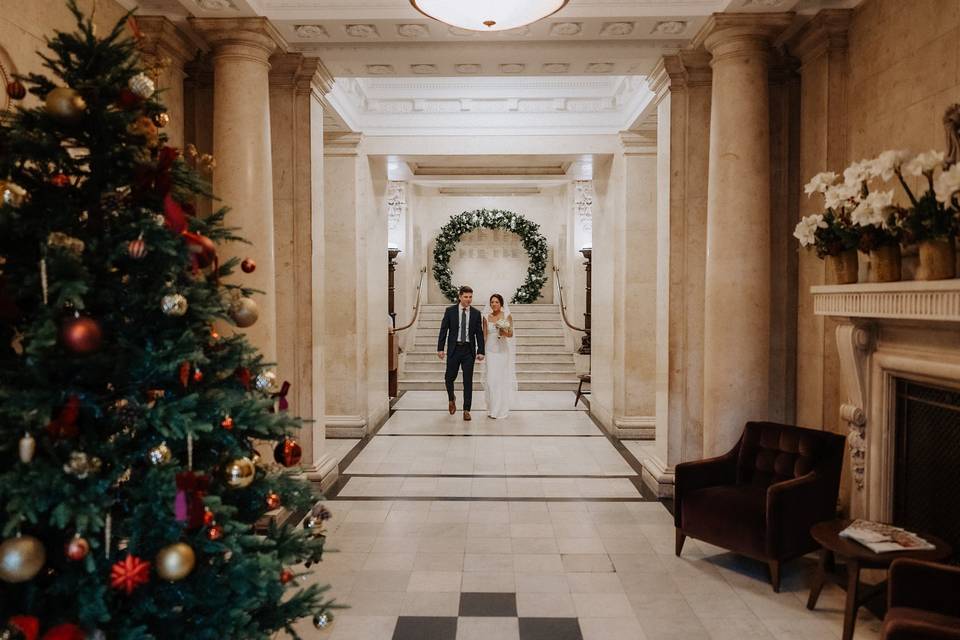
point(933, 300)
point(905, 329)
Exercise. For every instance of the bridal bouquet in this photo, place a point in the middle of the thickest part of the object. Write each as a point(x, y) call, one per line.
point(503, 324)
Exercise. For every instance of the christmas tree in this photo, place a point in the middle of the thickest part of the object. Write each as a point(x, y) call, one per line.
point(130, 488)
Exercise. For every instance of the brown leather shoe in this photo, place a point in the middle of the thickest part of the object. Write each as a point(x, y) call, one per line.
point(466, 416)
point(452, 407)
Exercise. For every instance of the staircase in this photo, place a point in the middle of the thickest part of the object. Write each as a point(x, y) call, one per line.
point(543, 360)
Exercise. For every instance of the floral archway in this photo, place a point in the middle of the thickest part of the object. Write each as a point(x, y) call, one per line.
point(529, 233)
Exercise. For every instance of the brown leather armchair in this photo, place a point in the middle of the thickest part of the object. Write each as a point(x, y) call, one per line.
point(761, 498)
point(923, 601)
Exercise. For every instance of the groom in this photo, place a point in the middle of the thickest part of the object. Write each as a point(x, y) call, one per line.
point(464, 326)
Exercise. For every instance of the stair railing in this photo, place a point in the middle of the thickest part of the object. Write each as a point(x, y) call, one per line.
point(416, 306)
point(563, 307)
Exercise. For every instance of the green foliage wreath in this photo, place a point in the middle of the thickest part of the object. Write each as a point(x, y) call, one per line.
point(529, 232)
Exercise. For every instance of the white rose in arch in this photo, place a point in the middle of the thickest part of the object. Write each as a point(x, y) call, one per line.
point(924, 163)
point(806, 229)
point(947, 184)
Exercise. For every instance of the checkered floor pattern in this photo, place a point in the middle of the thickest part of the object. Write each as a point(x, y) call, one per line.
point(486, 615)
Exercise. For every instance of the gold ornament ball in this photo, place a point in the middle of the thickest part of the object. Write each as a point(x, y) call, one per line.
point(161, 119)
point(65, 104)
point(239, 473)
point(244, 312)
point(160, 454)
point(175, 561)
point(13, 194)
point(174, 305)
point(21, 558)
point(266, 382)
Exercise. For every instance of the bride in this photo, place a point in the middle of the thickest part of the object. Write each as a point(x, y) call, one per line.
point(500, 373)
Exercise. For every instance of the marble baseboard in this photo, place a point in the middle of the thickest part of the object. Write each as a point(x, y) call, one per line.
point(635, 427)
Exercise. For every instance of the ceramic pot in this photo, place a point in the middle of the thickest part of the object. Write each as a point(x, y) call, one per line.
point(938, 260)
point(842, 268)
point(885, 263)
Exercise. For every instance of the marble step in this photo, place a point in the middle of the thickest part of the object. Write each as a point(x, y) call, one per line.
point(529, 358)
point(527, 331)
point(433, 324)
point(523, 385)
point(522, 349)
point(438, 367)
point(557, 342)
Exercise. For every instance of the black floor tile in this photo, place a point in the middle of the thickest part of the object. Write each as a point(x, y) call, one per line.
point(550, 629)
point(497, 605)
point(425, 628)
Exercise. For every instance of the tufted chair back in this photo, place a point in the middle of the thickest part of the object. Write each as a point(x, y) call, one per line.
point(771, 452)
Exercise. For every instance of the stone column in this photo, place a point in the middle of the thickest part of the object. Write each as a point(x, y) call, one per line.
point(737, 291)
point(345, 266)
point(166, 48)
point(241, 146)
point(297, 87)
point(636, 297)
point(681, 83)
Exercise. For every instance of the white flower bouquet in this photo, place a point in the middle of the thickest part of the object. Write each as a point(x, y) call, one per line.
point(503, 324)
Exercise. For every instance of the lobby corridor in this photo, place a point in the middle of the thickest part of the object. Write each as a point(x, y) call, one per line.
point(532, 528)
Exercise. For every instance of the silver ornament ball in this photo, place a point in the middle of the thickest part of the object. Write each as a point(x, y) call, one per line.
point(266, 382)
point(160, 454)
point(141, 85)
point(174, 305)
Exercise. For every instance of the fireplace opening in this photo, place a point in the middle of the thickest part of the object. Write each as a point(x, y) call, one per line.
point(926, 489)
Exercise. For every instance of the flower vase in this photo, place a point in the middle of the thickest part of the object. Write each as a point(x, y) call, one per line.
point(842, 268)
point(885, 263)
point(938, 260)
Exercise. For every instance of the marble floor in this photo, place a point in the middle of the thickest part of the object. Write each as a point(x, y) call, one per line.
point(533, 528)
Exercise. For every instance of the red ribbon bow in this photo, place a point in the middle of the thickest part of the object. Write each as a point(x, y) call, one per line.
point(188, 504)
point(65, 424)
point(282, 404)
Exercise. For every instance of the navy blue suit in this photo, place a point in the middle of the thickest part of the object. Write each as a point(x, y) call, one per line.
point(461, 354)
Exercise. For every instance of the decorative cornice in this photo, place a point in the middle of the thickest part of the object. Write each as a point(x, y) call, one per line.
point(296, 70)
point(342, 144)
point(254, 34)
point(933, 301)
point(826, 32)
point(677, 71)
point(751, 29)
point(639, 142)
point(162, 36)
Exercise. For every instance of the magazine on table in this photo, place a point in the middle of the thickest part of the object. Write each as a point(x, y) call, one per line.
point(884, 538)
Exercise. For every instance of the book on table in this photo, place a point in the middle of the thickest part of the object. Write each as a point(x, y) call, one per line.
point(884, 538)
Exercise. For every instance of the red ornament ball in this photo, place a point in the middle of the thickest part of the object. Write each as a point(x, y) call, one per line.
point(215, 532)
point(288, 452)
point(273, 501)
point(227, 423)
point(286, 576)
point(197, 375)
point(81, 335)
point(65, 631)
point(208, 517)
point(16, 90)
point(137, 249)
point(248, 265)
point(60, 180)
point(77, 549)
point(128, 100)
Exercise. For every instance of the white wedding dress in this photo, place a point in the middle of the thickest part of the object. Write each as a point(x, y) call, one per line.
point(500, 371)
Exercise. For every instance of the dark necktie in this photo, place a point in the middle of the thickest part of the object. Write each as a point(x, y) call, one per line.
point(463, 324)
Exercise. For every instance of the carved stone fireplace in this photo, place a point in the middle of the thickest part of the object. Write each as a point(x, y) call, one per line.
point(891, 336)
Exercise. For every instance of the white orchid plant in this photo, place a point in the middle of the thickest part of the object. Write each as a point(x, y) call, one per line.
point(830, 232)
point(933, 215)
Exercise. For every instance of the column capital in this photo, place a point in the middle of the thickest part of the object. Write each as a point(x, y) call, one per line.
point(252, 38)
point(342, 144)
point(678, 71)
point(639, 142)
point(732, 34)
point(825, 33)
point(161, 37)
point(306, 75)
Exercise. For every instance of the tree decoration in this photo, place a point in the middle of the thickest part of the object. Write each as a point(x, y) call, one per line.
point(248, 265)
point(129, 573)
point(215, 532)
point(244, 312)
point(174, 305)
point(137, 249)
point(175, 562)
point(286, 576)
point(239, 473)
point(64, 424)
point(282, 403)
point(227, 423)
point(529, 232)
point(21, 627)
point(266, 382)
point(13, 194)
point(60, 180)
point(161, 119)
point(67, 631)
point(69, 244)
point(273, 501)
point(21, 558)
point(77, 548)
point(82, 465)
point(203, 251)
point(16, 90)
point(288, 452)
point(144, 128)
point(65, 104)
point(141, 85)
point(81, 335)
point(159, 454)
point(322, 620)
point(188, 503)
point(27, 447)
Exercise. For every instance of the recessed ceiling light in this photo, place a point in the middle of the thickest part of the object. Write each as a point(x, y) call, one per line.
point(488, 15)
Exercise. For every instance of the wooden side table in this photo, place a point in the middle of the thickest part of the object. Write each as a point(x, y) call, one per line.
point(858, 557)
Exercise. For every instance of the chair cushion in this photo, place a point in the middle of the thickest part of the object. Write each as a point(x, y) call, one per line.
point(906, 623)
point(771, 453)
point(730, 516)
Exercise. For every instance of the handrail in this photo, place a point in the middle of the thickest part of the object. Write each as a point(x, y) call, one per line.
point(416, 306)
point(563, 307)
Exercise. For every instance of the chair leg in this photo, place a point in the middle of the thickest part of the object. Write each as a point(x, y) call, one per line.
point(579, 393)
point(681, 538)
point(774, 566)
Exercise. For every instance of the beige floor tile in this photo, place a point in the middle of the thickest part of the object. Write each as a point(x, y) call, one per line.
point(534, 545)
point(594, 583)
point(545, 605)
point(389, 562)
point(489, 582)
point(542, 583)
point(488, 629)
point(581, 545)
point(537, 563)
point(435, 581)
point(363, 628)
point(741, 627)
point(498, 562)
point(372, 603)
point(626, 628)
point(430, 603)
point(382, 580)
point(670, 625)
point(603, 605)
point(586, 562)
point(438, 561)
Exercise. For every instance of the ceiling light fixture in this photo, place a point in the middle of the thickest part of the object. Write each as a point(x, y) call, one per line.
point(488, 15)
